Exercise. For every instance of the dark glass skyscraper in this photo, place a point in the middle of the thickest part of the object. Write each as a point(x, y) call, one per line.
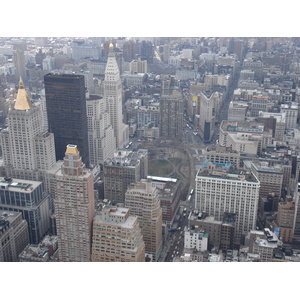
point(66, 111)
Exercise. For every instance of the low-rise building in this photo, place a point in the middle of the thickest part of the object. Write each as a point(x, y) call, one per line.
point(195, 239)
point(265, 245)
point(45, 251)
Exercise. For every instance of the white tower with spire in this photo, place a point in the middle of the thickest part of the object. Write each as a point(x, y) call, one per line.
point(113, 97)
point(25, 145)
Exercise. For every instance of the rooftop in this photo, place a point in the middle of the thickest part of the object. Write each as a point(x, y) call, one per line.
point(17, 185)
point(115, 215)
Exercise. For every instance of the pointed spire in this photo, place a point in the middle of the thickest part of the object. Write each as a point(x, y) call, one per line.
point(111, 49)
point(23, 101)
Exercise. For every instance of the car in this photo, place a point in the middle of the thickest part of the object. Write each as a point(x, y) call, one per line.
point(177, 252)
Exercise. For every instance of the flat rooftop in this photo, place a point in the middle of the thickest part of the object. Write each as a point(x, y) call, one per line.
point(115, 211)
point(17, 185)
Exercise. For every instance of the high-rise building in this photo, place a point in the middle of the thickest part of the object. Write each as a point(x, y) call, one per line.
point(147, 51)
point(124, 168)
point(278, 123)
point(117, 236)
point(220, 189)
point(130, 50)
point(143, 201)
point(209, 110)
point(13, 235)
point(26, 146)
point(291, 114)
point(171, 108)
point(29, 198)
point(296, 225)
point(102, 142)
point(74, 208)
point(270, 176)
point(138, 66)
point(19, 63)
point(285, 219)
point(66, 111)
point(113, 98)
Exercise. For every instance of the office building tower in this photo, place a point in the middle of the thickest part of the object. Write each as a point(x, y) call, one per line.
point(66, 112)
point(138, 66)
point(130, 50)
point(270, 176)
point(209, 111)
point(117, 236)
point(19, 63)
point(113, 98)
point(29, 198)
point(237, 111)
point(285, 219)
point(26, 146)
point(277, 121)
point(13, 235)
point(169, 194)
point(166, 53)
point(221, 189)
point(222, 154)
point(291, 114)
point(102, 142)
point(147, 51)
point(74, 208)
point(171, 109)
point(125, 167)
point(143, 201)
point(296, 225)
point(82, 49)
point(249, 137)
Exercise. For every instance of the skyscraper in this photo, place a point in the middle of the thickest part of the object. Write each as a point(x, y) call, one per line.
point(220, 189)
point(74, 208)
point(171, 108)
point(29, 198)
point(26, 146)
point(209, 110)
point(13, 235)
point(143, 201)
point(19, 63)
point(113, 97)
point(124, 168)
point(102, 142)
point(66, 111)
point(117, 236)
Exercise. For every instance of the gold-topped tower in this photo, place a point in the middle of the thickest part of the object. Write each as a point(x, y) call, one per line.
point(71, 149)
point(23, 101)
